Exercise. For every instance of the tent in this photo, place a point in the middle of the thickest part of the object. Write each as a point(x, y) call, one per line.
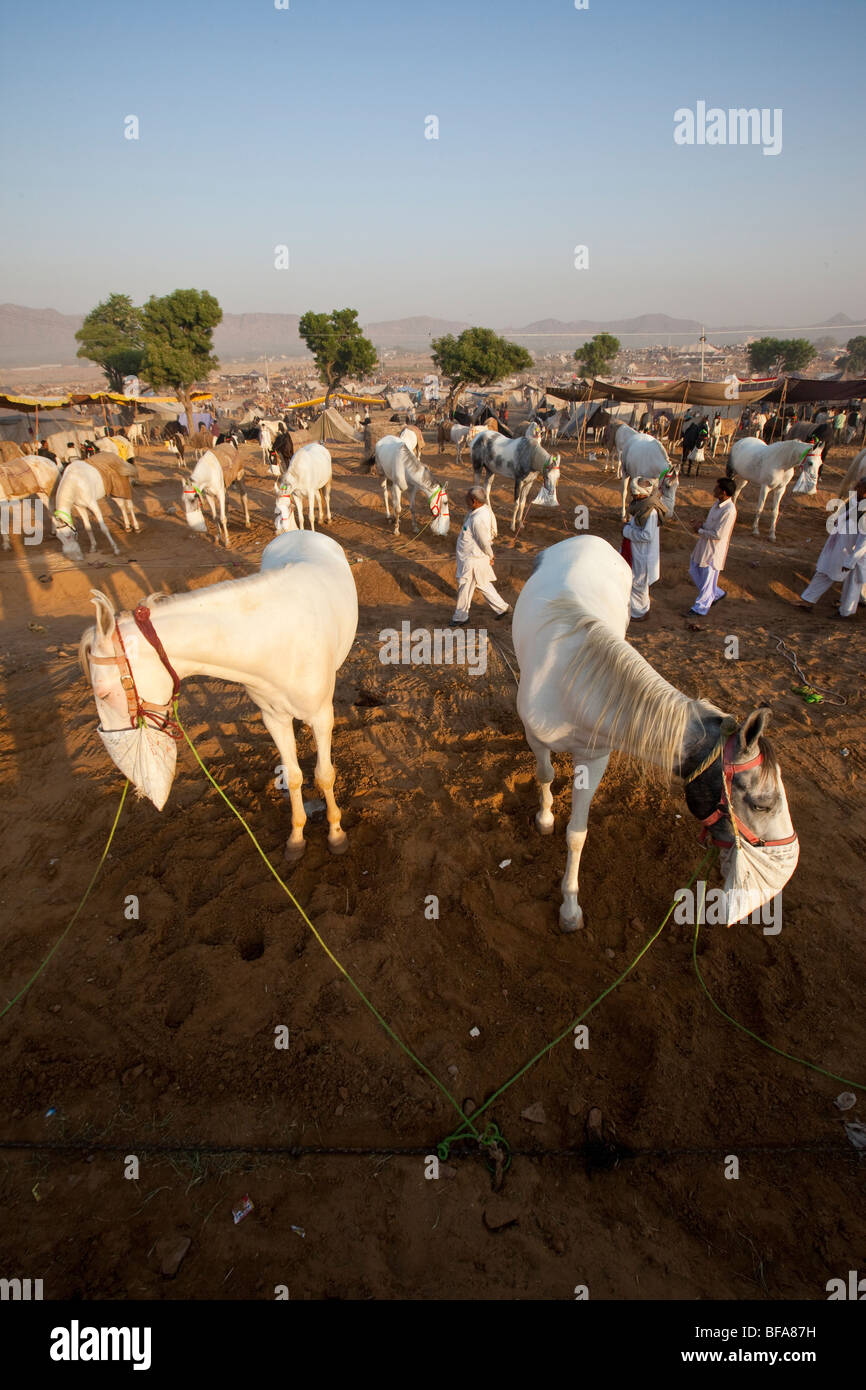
point(401, 400)
point(330, 427)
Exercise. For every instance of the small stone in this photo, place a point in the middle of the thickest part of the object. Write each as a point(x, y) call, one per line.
point(339, 1110)
point(344, 1094)
point(447, 1170)
point(469, 1106)
point(475, 1032)
point(54, 1008)
point(534, 1114)
point(609, 953)
point(575, 1107)
point(846, 1100)
point(499, 1215)
point(170, 1253)
point(505, 863)
point(453, 1070)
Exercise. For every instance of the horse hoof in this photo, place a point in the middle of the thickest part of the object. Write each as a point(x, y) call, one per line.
point(567, 925)
point(339, 843)
point(544, 828)
point(292, 853)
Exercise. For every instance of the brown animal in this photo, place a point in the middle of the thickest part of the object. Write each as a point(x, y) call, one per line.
point(8, 450)
point(115, 474)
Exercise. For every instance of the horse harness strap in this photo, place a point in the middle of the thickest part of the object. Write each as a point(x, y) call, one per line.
point(142, 711)
point(725, 806)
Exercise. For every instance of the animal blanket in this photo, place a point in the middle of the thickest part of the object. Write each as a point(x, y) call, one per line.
point(230, 463)
point(115, 481)
point(17, 478)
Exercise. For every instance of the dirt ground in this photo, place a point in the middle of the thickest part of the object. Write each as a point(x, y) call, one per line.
point(155, 1037)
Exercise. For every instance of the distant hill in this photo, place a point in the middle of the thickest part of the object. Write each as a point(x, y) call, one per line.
point(37, 337)
point(644, 323)
point(412, 332)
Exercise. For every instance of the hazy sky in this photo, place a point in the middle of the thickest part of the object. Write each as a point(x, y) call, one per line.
point(306, 127)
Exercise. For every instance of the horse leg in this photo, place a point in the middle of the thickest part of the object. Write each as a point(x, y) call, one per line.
point(544, 773)
point(243, 492)
point(102, 526)
point(282, 731)
point(776, 495)
point(385, 495)
point(397, 499)
point(570, 913)
point(223, 523)
point(311, 508)
point(625, 482)
point(322, 727)
point(327, 491)
point(762, 497)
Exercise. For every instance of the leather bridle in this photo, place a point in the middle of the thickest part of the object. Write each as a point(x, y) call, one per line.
point(142, 711)
point(725, 807)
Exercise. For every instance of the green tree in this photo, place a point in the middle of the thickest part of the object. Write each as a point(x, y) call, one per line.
point(178, 336)
point(478, 357)
point(780, 354)
point(111, 335)
point(596, 357)
point(338, 346)
point(854, 361)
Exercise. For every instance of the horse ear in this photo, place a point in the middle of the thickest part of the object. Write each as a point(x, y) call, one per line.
point(104, 612)
point(752, 728)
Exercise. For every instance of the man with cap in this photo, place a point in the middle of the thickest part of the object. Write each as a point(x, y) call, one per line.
point(709, 555)
point(646, 513)
point(475, 559)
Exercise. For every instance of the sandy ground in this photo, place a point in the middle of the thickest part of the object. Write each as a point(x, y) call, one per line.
point(155, 1037)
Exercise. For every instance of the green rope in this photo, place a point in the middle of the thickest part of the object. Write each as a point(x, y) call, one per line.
point(445, 1144)
point(789, 1056)
point(73, 919)
point(329, 953)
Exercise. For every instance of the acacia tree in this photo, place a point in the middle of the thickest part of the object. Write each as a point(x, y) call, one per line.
point(112, 336)
point(780, 354)
point(178, 335)
point(854, 360)
point(338, 346)
point(596, 356)
point(479, 356)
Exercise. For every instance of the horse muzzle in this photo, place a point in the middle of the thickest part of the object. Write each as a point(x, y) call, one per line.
point(146, 756)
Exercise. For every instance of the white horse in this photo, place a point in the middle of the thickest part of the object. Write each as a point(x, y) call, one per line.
point(21, 478)
point(461, 435)
point(81, 488)
point(522, 459)
point(585, 691)
point(771, 466)
point(268, 432)
point(216, 471)
point(644, 457)
point(402, 471)
point(307, 476)
point(283, 634)
point(856, 471)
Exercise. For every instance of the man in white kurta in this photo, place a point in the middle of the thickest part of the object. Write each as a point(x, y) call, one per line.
point(475, 558)
point(642, 530)
point(709, 555)
point(843, 557)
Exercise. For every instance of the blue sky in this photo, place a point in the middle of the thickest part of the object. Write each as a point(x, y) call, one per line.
point(305, 127)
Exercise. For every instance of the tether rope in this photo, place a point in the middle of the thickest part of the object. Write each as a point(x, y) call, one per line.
point(74, 918)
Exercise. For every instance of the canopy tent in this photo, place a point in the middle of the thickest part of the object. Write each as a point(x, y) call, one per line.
point(400, 400)
point(21, 427)
point(342, 396)
point(330, 427)
point(37, 403)
point(794, 390)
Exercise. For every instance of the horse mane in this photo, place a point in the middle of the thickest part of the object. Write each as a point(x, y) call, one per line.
point(648, 716)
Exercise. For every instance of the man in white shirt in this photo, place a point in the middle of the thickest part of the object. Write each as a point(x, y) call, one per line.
point(475, 559)
point(843, 557)
point(709, 555)
point(641, 530)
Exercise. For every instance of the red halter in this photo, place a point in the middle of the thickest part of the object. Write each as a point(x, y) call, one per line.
point(726, 805)
point(142, 711)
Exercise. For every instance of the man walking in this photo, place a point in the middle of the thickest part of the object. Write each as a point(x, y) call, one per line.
point(641, 532)
point(843, 557)
point(709, 555)
point(475, 559)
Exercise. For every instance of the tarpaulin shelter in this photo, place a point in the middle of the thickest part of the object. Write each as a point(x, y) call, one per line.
point(793, 390)
point(330, 427)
